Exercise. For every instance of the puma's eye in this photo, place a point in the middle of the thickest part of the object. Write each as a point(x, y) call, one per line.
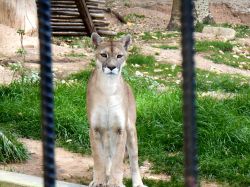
point(119, 56)
point(104, 55)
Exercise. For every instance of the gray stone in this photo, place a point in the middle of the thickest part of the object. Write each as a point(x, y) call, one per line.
point(220, 32)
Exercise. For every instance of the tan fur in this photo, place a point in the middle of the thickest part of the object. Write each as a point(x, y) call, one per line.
point(112, 115)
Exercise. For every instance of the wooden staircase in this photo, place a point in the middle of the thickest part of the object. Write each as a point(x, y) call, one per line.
point(79, 18)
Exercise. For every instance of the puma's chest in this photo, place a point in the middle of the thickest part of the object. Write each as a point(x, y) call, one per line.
point(108, 113)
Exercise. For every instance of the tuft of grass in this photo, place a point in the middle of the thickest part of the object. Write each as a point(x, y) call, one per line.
point(75, 55)
point(166, 47)
point(135, 50)
point(203, 46)
point(74, 42)
point(199, 27)
point(242, 31)
point(10, 149)
point(159, 35)
point(238, 61)
point(127, 3)
point(141, 60)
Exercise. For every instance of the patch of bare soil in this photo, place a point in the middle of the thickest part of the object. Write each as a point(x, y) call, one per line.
point(6, 75)
point(223, 13)
point(62, 65)
point(71, 167)
point(216, 95)
point(174, 57)
point(148, 16)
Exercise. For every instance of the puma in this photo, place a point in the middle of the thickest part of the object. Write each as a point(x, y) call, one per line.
point(112, 115)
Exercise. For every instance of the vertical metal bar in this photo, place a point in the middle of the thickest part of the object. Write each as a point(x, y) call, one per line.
point(189, 116)
point(47, 103)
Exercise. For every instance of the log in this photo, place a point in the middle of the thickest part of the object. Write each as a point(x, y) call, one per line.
point(95, 11)
point(60, 20)
point(93, 15)
point(63, 6)
point(102, 28)
point(101, 23)
point(96, 8)
point(69, 33)
point(62, 2)
point(56, 12)
point(65, 9)
point(64, 17)
point(92, 4)
point(96, 1)
point(68, 28)
point(66, 24)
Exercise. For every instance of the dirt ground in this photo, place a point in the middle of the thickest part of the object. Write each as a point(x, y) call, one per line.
point(157, 14)
point(71, 167)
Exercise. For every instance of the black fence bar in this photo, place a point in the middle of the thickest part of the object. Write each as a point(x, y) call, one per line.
point(47, 99)
point(187, 29)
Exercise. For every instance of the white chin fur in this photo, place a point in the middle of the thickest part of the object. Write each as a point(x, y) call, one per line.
point(108, 71)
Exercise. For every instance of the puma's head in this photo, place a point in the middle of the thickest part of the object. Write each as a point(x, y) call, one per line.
point(110, 55)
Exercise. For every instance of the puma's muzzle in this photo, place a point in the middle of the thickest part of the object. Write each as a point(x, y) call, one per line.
point(111, 70)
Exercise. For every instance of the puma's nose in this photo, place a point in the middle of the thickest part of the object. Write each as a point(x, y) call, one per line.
point(111, 67)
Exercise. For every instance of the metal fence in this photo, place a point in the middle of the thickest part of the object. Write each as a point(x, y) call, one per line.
point(47, 100)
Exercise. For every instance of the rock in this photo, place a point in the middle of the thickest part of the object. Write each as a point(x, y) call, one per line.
point(220, 32)
point(245, 41)
point(139, 74)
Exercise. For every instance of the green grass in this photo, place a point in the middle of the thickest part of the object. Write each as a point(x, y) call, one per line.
point(223, 125)
point(10, 149)
point(166, 47)
point(238, 61)
point(141, 59)
point(203, 46)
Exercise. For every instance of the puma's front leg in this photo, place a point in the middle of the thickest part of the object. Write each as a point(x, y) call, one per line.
point(118, 144)
point(99, 177)
point(132, 148)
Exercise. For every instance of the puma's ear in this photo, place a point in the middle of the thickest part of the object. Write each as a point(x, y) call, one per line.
point(126, 40)
point(96, 39)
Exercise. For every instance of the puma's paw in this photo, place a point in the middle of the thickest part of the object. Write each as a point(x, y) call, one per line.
point(97, 184)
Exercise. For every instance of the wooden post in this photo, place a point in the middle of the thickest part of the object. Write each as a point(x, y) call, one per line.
point(85, 16)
